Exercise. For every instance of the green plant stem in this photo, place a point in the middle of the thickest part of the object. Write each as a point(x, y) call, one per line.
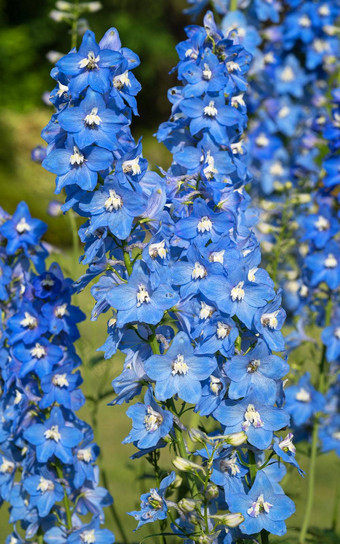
point(75, 239)
point(252, 466)
point(65, 499)
point(127, 262)
point(314, 447)
point(74, 28)
point(162, 523)
point(336, 501)
point(113, 510)
point(264, 537)
point(233, 5)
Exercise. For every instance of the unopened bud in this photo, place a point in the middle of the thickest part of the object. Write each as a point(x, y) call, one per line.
point(187, 505)
point(236, 439)
point(211, 492)
point(59, 16)
point(230, 520)
point(198, 436)
point(186, 466)
point(90, 7)
point(64, 6)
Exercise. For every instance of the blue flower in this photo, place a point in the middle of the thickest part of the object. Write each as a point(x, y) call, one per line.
point(254, 416)
point(180, 371)
point(153, 504)
point(90, 66)
point(53, 437)
point(262, 508)
point(138, 301)
point(22, 231)
point(44, 491)
point(150, 422)
point(91, 532)
point(303, 401)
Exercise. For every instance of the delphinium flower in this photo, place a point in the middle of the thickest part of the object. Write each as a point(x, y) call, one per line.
point(47, 454)
point(182, 275)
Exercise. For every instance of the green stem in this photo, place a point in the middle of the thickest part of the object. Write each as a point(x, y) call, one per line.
point(40, 536)
point(65, 500)
point(74, 28)
point(311, 483)
point(75, 239)
point(252, 466)
point(264, 537)
point(127, 262)
point(233, 5)
point(113, 510)
point(314, 448)
point(336, 502)
point(162, 523)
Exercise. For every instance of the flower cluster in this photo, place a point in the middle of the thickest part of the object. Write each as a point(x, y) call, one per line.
point(47, 455)
point(195, 315)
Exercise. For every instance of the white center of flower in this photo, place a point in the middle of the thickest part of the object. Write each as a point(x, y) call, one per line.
point(287, 444)
point(158, 250)
point(206, 311)
point(283, 112)
point(47, 282)
point(62, 89)
point(121, 80)
point(77, 157)
point(90, 62)
point(6, 466)
point(29, 321)
point(18, 397)
point(215, 385)
point(237, 148)
point(142, 295)
point(251, 417)
point(258, 507)
point(330, 261)
point(270, 320)
point(38, 351)
point(269, 58)
point(88, 537)
point(336, 435)
point(251, 274)
point(305, 21)
point(276, 169)
point(132, 166)
point(61, 311)
point(237, 293)
point(217, 256)
point(153, 420)
point(204, 224)
point(60, 380)
point(53, 433)
point(114, 202)
point(303, 395)
point(179, 366)
point(232, 66)
point(287, 74)
point(92, 119)
point(337, 333)
point(237, 101)
point(198, 272)
point(155, 499)
point(320, 46)
point(207, 73)
point(85, 455)
point(324, 10)
point(45, 485)
point(322, 223)
point(230, 465)
point(210, 110)
point(222, 330)
point(253, 366)
point(209, 170)
point(262, 140)
point(13, 540)
point(22, 226)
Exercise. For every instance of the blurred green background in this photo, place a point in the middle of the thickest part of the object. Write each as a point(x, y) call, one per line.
point(151, 28)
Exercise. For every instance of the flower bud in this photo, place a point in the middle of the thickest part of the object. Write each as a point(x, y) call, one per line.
point(230, 520)
point(236, 439)
point(198, 436)
point(186, 466)
point(187, 505)
point(211, 492)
